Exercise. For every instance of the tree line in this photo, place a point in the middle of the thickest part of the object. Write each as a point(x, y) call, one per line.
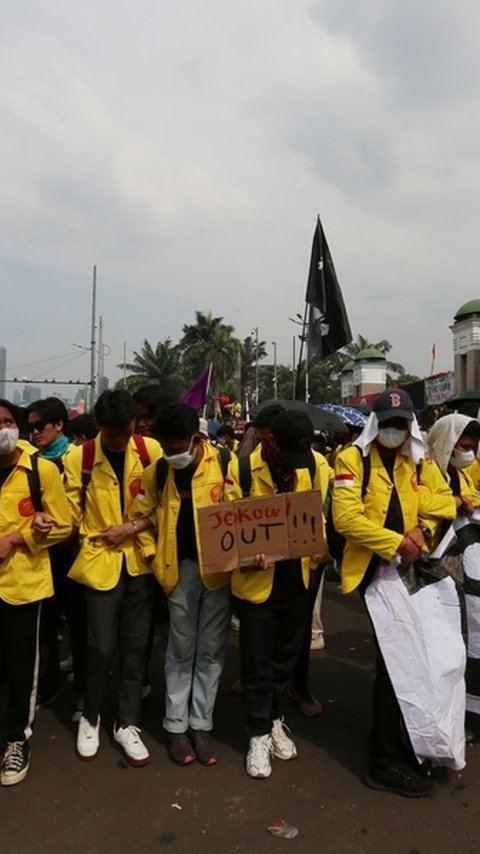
point(175, 366)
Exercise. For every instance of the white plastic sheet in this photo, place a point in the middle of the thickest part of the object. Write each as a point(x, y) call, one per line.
point(421, 641)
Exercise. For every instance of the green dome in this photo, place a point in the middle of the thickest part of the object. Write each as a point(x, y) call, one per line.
point(471, 307)
point(371, 353)
point(348, 367)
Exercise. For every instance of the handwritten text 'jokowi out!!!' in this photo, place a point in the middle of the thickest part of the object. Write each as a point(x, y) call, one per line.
point(280, 526)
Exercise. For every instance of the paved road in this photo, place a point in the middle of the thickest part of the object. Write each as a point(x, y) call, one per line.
point(107, 807)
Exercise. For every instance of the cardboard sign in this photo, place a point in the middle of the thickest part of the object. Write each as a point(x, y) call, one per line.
point(282, 527)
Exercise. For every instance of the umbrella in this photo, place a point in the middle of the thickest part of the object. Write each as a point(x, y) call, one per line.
point(320, 418)
point(349, 415)
point(470, 396)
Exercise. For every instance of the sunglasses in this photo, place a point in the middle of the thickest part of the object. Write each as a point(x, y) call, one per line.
point(38, 426)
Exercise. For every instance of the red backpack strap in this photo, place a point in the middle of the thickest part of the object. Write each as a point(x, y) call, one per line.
point(142, 449)
point(88, 458)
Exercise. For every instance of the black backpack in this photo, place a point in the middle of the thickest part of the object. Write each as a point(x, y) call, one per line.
point(245, 474)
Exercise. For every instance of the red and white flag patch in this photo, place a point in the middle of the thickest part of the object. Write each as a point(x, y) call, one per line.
point(342, 480)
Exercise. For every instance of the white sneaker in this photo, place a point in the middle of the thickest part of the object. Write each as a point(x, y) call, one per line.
point(258, 757)
point(88, 738)
point(128, 737)
point(283, 746)
point(317, 641)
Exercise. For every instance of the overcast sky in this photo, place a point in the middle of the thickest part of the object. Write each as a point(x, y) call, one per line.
point(186, 148)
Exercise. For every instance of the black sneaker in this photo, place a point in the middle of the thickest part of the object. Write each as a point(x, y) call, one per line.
point(205, 748)
point(15, 763)
point(400, 779)
point(180, 749)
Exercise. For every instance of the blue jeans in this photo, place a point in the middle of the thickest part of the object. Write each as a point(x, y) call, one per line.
point(199, 623)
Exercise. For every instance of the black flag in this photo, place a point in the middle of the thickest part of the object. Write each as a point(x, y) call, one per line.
point(328, 328)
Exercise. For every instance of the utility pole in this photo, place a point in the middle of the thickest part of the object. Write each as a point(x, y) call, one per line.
point(93, 384)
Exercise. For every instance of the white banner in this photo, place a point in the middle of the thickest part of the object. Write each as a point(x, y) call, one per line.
point(439, 388)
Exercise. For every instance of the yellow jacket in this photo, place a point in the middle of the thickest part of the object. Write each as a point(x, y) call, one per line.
point(207, 488)
point(25, 575)
point(473, 472)
point(361, 520)
point(97, 565)
point(256, 585)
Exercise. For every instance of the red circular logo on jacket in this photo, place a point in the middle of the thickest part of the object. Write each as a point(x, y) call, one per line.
point(216, 493)
point(25, 507)
point(134, 486)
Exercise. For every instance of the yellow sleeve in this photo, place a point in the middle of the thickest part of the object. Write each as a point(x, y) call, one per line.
point(436, 502)
point(72, 476)
point(55, 504)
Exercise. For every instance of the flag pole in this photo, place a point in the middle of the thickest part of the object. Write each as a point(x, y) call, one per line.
point(207, 389)
point(300, 357)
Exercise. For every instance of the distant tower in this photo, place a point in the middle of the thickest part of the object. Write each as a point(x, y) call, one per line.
point(3, 371)
point(466, 346)
point(369, 372)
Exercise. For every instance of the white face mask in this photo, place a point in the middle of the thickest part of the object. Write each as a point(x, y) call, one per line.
point(183, 460)
point(462, 459)
point(8, 439)
point(391, 437)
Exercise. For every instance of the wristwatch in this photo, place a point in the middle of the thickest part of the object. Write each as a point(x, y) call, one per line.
point(427, 534)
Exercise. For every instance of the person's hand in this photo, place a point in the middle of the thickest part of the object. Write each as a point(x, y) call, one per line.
point(42, 525)
point(408, 551)
point(465, 507)
point(258, 565)
point(416, 536)
point(115, 535)
point(6, 546)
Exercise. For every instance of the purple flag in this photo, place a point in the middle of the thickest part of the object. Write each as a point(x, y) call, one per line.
point(196, 395)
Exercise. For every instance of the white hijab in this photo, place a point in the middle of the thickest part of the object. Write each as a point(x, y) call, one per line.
point(412, 447)
point(443, 437)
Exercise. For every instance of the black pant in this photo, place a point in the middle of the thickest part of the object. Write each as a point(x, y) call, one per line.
point(300, 675)
point(121, 615)
point(19, 625)
point(271, 638)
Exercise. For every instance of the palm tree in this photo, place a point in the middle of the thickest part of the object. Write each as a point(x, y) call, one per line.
point(207, 340)
point(156, 367)
point(248, 363)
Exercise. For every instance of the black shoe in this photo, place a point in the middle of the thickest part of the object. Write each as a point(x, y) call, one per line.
point(180, 748)
point(400, 779)
point(205, 748)
point(15, 763)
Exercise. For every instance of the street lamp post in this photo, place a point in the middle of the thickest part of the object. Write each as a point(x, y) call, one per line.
point(299, 321)
point(256, 396)
point(275, 378)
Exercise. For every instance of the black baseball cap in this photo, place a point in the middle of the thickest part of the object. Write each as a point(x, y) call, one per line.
point(393, 403)
point(294, 434)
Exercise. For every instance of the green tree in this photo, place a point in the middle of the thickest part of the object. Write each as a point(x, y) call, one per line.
point(207, 340)
point(159, 366)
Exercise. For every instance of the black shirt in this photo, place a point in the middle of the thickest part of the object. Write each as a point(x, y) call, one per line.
point(186, 539)
point(117, 462)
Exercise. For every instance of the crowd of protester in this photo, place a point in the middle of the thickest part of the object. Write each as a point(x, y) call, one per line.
point(99, 521)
